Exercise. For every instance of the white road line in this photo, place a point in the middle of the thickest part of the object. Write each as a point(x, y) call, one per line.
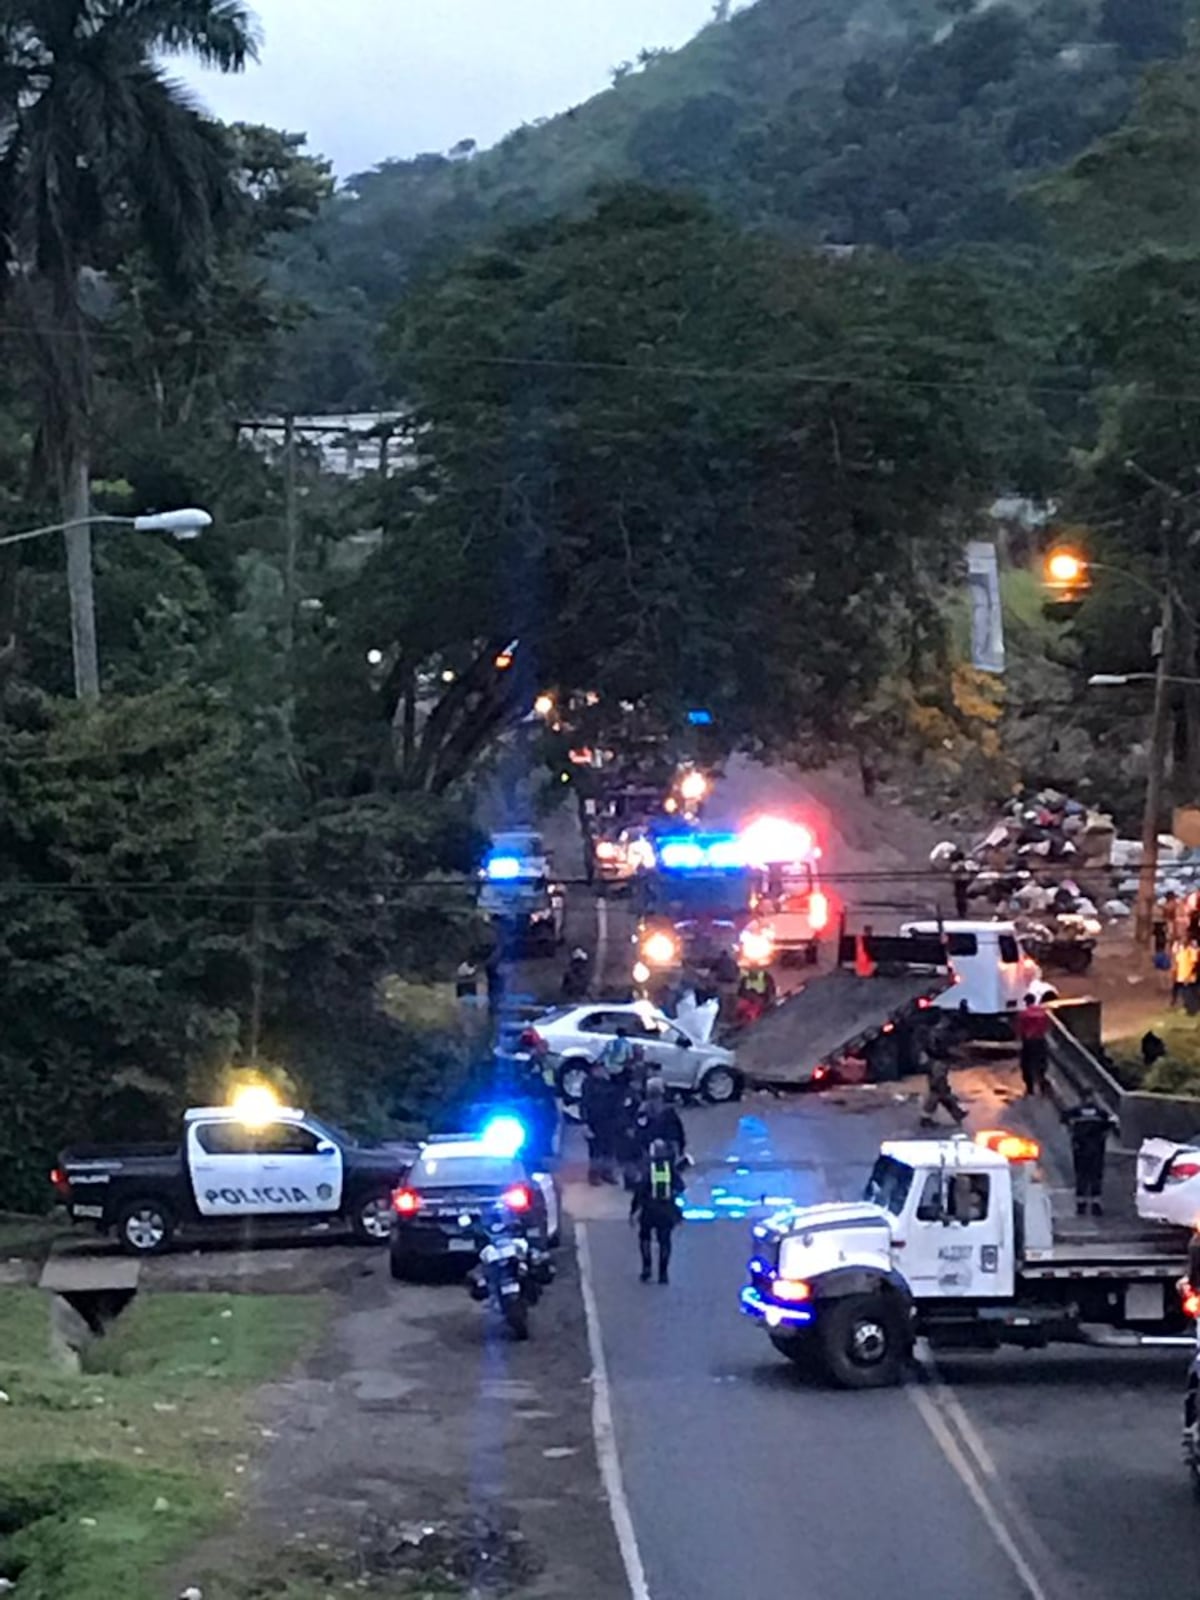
point(605, 1431)
point(601, 938)
point(948, 1444)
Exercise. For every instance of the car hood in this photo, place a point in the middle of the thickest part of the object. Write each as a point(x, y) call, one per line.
point(820, 1238)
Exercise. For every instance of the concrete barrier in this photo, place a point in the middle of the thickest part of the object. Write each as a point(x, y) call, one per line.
point(1159, 1116)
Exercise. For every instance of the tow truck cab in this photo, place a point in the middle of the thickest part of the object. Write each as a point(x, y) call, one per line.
point(992, 972)
point(953, 1241)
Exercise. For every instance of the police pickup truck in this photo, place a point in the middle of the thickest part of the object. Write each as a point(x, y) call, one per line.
point(271, 1167)
point(953, 1241)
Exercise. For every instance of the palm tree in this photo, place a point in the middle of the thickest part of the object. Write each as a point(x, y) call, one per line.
point(99, 145)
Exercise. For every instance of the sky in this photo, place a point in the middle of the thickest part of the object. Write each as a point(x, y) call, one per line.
point(373, 79)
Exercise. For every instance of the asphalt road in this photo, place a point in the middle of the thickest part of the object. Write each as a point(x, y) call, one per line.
point(1051, 1475)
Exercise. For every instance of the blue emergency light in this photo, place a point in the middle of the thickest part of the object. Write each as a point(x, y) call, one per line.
point(503, 869)
point(699, 718)
point(700, 852)
point(503, 1135)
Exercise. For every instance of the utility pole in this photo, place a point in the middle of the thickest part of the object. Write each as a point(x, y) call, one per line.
point(291, 517)
point(1159, 729)
point(80, 580)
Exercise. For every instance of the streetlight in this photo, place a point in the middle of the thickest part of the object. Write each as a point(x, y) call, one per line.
point(188, 523)
point(1068, 573)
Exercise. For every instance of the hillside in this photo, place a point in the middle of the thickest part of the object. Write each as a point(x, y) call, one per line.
point(909, 125)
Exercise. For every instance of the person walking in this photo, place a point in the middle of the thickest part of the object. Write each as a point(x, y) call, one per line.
point(600, 1108)
point(654, 1209)
point(576, 979)
point(960, 877)
point(1089, 1126)
point(1032, 1027)
point(1185, 960)
point(937, 1052)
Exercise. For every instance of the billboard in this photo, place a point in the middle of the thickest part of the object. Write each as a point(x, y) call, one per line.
point(987, 617)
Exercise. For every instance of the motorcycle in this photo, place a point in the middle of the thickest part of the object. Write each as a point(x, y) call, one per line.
point(512, 1272)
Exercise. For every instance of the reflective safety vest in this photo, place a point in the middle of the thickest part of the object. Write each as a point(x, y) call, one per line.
point(662, 1180)
point(755, 981)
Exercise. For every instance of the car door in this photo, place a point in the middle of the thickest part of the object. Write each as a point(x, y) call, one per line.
point(280, 1169)
point(669, 1051)
point(957, 1246)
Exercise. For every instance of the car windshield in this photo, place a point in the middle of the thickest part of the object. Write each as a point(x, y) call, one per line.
point(889, 1184)
point(436, 1171)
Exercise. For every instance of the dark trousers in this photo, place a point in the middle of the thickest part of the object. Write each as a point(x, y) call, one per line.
point(648, 1232)
point(961, 899)
point(1089, 1178)
point(1035, 1056)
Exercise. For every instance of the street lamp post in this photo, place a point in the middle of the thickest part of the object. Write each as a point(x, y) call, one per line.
point(186, 524)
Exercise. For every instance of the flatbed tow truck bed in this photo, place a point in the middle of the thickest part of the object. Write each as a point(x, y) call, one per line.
point(838, 1011)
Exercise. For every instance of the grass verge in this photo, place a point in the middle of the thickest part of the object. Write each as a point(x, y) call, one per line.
point(108, 1474)
point(1179, 1070)
point(28, 1238)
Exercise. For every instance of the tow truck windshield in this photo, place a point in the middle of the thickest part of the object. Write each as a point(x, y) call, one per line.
point(702, 894)
point(889, 1184)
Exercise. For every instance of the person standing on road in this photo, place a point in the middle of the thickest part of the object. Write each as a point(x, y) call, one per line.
point(1185, 959)
point(658, 1121)
point(600, 1107)
point(617, 1055)
point(655, 1210)
point(937, 1051)
point(1033, 1031)
point(1089, 1126)
point(960, 877)
point(576, 980)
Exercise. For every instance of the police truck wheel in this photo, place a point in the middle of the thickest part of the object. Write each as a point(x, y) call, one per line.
point(372, 1218)
point(145, 1228)
point(572, 1076)
point(719, 1085)
point(864, 1341)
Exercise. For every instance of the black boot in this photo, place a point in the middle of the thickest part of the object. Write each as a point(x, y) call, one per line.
point(646, 1262)
point(1097, 1209)
point(1081, 1208)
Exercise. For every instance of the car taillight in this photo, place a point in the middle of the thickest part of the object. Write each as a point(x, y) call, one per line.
point(406, 1202)
point(1191, 1302)
point(531, 1039)
point(59, 1179)
point(518, 1198)
point(1181, 1171)
point(791, 1289)
point(818, 911)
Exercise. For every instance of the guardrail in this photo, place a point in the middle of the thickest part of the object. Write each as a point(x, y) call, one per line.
point(1085, 1074)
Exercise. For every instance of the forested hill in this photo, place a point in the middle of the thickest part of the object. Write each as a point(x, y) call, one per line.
point(906, 124)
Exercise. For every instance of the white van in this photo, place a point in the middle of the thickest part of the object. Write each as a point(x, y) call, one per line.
point(992, 972)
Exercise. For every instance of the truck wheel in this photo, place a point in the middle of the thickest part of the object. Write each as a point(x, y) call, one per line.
point(864, 1341)
point(145, 1227)
point(797, 1347)
point(719, 1085)
point(371, 1219)
point(572, 1076)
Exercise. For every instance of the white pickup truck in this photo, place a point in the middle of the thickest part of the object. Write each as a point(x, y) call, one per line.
point(953, 1241)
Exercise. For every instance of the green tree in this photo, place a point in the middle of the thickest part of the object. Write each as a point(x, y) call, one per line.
point(100, 131)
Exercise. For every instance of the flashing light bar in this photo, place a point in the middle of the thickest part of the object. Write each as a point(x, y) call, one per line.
point(503, 869)
point(721, 852)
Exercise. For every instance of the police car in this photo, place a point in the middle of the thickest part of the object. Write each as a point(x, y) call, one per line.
point(455, 1183)
point(250, 1162)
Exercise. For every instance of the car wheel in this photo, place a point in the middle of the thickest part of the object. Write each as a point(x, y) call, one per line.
point(572, 1076)
point(372, 1218)
point(864, 1341)
point(145, 1227)
point(719, 1085)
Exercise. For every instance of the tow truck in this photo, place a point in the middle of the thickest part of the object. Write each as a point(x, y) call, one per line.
point(953, 1242)
point(696, 905)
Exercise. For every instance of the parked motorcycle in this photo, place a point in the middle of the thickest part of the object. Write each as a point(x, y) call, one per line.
point(512, 1271)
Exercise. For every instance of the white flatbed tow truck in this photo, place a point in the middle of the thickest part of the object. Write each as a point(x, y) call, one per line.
point(954, 1242)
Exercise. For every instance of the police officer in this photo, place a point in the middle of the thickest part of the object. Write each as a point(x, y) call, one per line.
point(658, 1120)
point(600, 1108)
point(1089, 1126)
point(654, 1208)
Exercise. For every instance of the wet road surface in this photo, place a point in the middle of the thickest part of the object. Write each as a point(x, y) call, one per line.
point(1051, 1475)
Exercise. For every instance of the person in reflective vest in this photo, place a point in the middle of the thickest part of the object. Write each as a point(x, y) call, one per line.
point(655, 1210)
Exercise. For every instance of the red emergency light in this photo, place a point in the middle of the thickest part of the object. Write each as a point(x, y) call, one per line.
point(777, 841)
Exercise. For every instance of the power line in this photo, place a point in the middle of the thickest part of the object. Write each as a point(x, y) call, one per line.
point(639, 370)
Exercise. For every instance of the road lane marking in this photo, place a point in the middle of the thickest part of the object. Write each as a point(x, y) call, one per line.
point(953, 1452)
point(604, 1429)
